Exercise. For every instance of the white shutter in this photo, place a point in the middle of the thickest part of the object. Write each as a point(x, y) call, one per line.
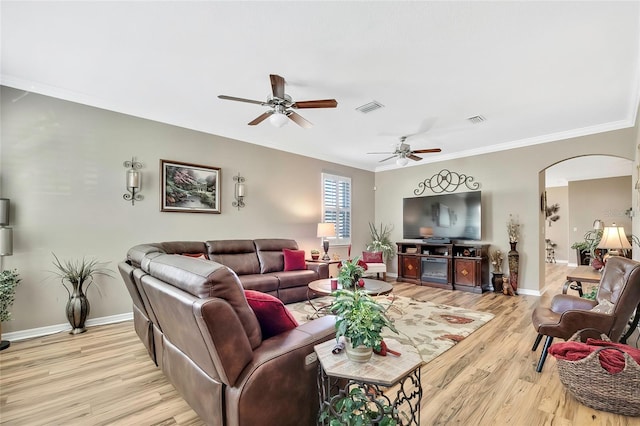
point(336, 206)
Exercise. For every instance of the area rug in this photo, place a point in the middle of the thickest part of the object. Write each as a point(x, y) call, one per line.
point(431, 328)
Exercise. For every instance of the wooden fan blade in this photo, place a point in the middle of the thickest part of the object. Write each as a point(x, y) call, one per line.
point(261, 118)
point(277, 86)
point(320, 103)
point(299, 120)
point(414, 157)
point(425, 151)
point(233, 98)
point(389, 158)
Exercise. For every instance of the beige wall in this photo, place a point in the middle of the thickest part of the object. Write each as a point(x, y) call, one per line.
point(511, 183)
point(61, 166)
point(558, 231)
point(604, 199)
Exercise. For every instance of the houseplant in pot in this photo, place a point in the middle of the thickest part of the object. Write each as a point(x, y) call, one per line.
point(350, 272)
point(381, 241)
point(76, 276)
point(9, 280)
point(360, 319)
point(315, 254)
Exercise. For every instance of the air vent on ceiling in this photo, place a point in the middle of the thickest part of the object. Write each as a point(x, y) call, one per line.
point(476, 119)
point(371, 106)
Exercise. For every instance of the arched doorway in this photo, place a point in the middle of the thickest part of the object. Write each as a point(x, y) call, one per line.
point(578, 191)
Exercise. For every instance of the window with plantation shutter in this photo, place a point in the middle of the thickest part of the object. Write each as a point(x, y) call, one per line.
point(336, 206)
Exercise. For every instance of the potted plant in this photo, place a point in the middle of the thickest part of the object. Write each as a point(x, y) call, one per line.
point(355, 408)
point(382, 241)
point(315, 254)
point(350, 272)
point(76, 277)
point(360, 319)
point(9, 280)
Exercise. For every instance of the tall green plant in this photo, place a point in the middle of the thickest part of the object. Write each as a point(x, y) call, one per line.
point(9, 280)
point(381, 240)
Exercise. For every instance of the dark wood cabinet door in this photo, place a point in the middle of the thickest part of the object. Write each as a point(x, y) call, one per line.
point(466, 271)
point(411, 267)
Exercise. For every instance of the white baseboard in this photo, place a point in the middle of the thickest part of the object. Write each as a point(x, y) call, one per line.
point(529, 292)
point(15, 336)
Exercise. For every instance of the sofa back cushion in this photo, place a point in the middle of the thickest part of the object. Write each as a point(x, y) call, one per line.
point(270, 253)
point(239, 255)
point(205, 279)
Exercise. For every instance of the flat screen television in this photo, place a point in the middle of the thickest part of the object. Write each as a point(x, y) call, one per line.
point(454, 216)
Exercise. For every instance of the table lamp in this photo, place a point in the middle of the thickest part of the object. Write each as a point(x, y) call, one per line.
point(325, 230)
point(613, 239)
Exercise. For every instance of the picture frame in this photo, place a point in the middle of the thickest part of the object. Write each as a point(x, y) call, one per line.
point(189, 188)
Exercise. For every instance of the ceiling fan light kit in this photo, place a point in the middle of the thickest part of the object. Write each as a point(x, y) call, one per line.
point(402, 161)
point(281, 104)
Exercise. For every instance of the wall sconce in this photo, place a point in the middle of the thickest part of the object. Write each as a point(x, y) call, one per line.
point(6, 233)
point(134, 178)
point(240, 192)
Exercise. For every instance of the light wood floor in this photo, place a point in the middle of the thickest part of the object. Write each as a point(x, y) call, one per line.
point(105, 376)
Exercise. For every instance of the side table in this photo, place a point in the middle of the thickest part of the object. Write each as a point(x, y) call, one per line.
point(391, 381)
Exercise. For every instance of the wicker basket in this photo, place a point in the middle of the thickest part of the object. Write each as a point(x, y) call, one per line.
point(595, 387)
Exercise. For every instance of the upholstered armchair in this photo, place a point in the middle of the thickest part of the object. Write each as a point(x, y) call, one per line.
point(616, 300)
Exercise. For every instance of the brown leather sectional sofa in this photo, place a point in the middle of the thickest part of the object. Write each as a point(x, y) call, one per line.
point(192, 316)
point(258, 263)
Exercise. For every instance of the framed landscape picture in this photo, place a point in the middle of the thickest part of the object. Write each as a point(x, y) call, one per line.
point(189, 188)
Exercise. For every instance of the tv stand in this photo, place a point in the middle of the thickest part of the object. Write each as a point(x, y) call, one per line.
point(445, 265)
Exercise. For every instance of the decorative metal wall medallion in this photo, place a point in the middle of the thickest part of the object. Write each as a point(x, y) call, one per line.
point(446, 181)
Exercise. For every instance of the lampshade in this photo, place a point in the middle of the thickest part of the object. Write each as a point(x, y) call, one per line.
point(326, 230)
point(6, 241)
point(614, 238)
point(278, 119)
point(4, 211)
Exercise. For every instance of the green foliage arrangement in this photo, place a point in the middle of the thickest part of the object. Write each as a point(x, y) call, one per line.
point(350, 272)
point(9, 280)
point(355, 409)
point(74, 274)
point(360, 318)
point(382, 241)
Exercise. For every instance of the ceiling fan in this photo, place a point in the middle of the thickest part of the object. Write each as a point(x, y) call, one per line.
point(404, 153)
point(281, 105)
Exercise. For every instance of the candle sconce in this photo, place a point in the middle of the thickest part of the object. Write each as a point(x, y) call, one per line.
point(240, 192)
point(134, 178)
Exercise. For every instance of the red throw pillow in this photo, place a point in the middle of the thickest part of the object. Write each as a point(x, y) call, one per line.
point(372, 256)
point(362, 264)
point(294, 260)
point(196, 255)
point(273, 316)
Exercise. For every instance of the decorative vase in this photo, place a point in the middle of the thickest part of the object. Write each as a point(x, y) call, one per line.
point(514, 259)
point(315, 256)
point(77, 310)
point(497, 281)
point(359, 353)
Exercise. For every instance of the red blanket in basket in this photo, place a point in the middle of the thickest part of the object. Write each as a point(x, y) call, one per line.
point(611, 360)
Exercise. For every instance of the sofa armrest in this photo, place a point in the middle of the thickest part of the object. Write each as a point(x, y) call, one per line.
point(564, 302)
point(322, 269)
point(280, 382)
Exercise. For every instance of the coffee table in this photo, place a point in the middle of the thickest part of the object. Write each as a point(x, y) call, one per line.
point(323, 288)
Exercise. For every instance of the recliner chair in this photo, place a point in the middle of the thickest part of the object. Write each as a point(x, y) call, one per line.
point(620, 285)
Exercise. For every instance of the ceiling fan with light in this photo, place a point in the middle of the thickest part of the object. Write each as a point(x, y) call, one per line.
point(281, 105)
point(403, 153)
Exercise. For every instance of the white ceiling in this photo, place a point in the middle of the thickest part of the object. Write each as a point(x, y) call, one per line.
point(537, 71)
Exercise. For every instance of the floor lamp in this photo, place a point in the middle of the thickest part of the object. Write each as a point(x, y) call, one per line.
point(325, 230)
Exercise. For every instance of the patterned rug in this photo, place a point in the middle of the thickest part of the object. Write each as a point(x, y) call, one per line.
point(431, 328)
